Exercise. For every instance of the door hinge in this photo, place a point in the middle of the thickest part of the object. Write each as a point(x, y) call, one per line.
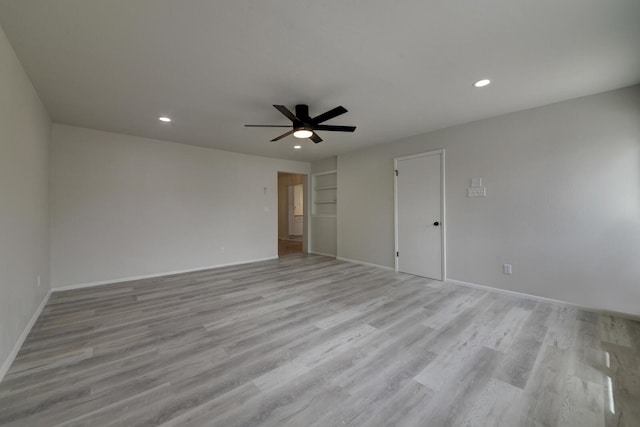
point(397, 253)
point(396, 172)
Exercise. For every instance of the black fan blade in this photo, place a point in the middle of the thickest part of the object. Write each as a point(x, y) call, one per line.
point(284, 110)
point(267, 126)
point(284, 135)
point(329, 115)
point(335, 128)
point(315, 138)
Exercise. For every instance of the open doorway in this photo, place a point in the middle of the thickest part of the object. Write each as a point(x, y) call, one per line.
point(291, 211)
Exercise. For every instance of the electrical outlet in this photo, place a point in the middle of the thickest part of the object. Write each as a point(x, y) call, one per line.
point(38, 281)
point(506, 269)
point(222, 249)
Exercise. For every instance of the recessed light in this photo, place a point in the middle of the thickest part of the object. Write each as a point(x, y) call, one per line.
point(482, 83)
point(164, 119)
point(297, 147)
point(302, 133)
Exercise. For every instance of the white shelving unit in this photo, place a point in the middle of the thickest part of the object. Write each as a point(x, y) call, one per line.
point(325, 194)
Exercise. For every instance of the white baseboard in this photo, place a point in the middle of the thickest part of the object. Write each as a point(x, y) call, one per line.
point(543, 299)
point(151, 276)
point(323, 254)
point(23, 336)
point(383, 267)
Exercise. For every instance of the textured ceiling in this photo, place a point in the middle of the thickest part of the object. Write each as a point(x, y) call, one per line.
point(400, 68)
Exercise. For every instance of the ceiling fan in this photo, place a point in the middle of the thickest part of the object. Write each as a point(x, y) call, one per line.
point(304, 126)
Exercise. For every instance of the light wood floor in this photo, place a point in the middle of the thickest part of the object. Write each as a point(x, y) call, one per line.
point(287, 247)
point(311, 341)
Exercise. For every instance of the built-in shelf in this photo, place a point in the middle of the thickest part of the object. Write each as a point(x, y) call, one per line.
point(325, 194)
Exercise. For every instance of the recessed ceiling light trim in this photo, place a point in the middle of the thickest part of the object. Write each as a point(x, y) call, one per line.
point(164, 119)
point(482, 83)
point(297, 147)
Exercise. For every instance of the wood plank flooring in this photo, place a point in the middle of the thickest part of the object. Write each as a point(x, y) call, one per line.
point(287, 247)
point(311, 341)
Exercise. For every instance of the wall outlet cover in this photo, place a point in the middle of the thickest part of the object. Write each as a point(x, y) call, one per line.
point(476, 182)
point(477, 192)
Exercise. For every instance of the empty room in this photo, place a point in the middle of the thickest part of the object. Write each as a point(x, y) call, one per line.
point(338, 213)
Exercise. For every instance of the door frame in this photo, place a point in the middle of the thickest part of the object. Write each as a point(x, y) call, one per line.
point(306, 195)
point(443, 221)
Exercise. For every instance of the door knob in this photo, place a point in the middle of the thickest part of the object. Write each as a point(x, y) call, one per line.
point(436, 223)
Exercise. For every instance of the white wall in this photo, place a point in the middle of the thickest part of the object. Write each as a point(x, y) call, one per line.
point(125, 206)
point(24, 208)
point(562, 205)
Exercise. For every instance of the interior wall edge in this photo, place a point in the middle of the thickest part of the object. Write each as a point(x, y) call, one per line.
point(154, 275)
point(25, 140)
point(355, 261)
point(23, 336)
point(631, 316)
point(323, 254)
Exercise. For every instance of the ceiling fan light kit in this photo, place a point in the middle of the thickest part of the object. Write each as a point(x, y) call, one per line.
point(304, 126)
point(303, 133)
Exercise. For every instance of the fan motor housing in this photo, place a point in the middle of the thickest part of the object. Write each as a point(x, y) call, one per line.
point(302, 111)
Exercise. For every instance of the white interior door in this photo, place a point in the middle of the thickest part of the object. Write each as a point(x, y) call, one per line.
point(419, 229)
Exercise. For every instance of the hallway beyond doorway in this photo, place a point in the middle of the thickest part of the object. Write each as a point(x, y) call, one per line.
point(291, 213)
point(286, 247)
